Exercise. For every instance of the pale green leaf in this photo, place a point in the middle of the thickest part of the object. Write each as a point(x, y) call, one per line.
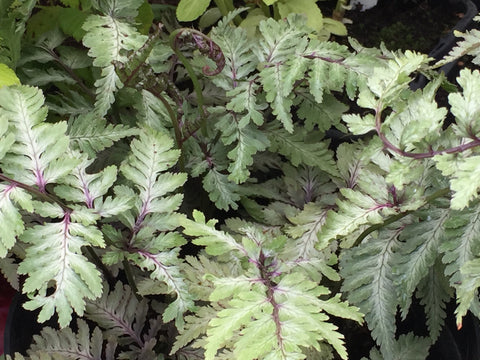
point(189, 10)
point(419, 251)
point(92, 134)
point(62, 264)
point(217, 242)
point(307, 8)
point(369, 284)
point(38, 155)
point(8, 76)
point(10, 217)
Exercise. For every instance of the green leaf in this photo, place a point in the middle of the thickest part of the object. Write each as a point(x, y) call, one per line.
point(10, 217)
point(54, 257)
point(189, 10)
point(250, 141)
point(461, 241)
point(419, 251)
point(119, 313)
point(8, 76)
point(335, 27)
point(152, 154)
point(85, 188)
point(109, 39)
point(465, 105)
point(53, 344)
point(434, 293)
point(369, 283)
point(299, 150)
point(307, 8)
point(38, 156)
point(216, 242)
point(92, 134)
point(163, 267)
point(221, 191)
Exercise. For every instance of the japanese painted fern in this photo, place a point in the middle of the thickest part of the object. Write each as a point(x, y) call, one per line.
point(119, 147)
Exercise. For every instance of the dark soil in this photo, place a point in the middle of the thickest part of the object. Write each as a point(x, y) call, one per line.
point(404, 24)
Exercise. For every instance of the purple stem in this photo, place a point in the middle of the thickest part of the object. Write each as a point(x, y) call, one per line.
point(388, 145)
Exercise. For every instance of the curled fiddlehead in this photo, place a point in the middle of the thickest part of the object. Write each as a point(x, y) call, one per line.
point(192, 38)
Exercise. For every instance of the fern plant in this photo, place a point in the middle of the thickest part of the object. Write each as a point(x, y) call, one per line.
point(171, 195)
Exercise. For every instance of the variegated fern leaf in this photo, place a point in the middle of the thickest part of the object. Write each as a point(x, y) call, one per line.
point(268, 302)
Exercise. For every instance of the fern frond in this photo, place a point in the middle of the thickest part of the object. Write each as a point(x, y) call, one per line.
point(464, 105)
point(222, 192)
point(269, 302)
point(42, 77)
point(120, 314)
point(462, 241)
point(298, 151)
point(356, 210)
point(407, 347)
point(239, 58)
point(327, 71)
point(126, 8)
point(92, 134)
point(61, 266)
point(370, 284)
point(109, 38)
point(468, 46)
point(278, 42)
point(434, 293)
point(248, 139)
point(467, 290)
point(6, 138)
point(245, 102)
point(322, 116)
point(152, 112)
point(9, 269)
point(81, 187)
point(419, 250)
point(463, 182)
point(195, 327)
point(279, 39)
point(388, 81)
point(216, 242)
point(277, 327)
point(38, 155)
point(164, 269)
point(11, 198)
point(64, 343)
point(152, 154)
